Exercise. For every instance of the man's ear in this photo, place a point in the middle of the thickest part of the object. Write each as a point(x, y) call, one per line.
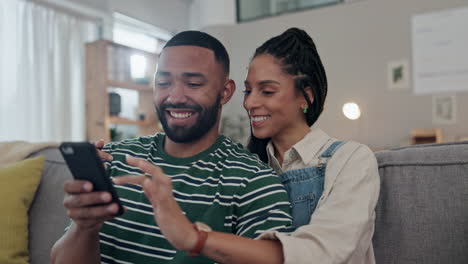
point(228, 90)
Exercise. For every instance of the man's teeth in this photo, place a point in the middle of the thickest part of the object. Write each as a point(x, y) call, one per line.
point(259, 118)
point(180, 115)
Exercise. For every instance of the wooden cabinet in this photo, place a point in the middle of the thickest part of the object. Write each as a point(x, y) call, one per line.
point(426, 136)
point(109, 69)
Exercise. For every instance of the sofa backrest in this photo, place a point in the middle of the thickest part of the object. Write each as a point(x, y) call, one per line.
point(422, 213)
point(47, 215)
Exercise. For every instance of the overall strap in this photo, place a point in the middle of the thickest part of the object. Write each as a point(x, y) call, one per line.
point(328, 153)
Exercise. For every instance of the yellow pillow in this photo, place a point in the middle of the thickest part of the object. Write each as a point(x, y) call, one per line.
point(18, 184)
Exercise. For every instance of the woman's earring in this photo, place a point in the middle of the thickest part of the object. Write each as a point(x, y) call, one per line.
point(304, 109)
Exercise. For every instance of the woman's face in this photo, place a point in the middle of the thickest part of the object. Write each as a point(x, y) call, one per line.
point(271, 100)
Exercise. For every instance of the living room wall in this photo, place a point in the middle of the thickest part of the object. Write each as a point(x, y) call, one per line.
point(356, 41)
point(171, 15)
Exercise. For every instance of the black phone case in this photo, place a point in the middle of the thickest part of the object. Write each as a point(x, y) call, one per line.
point(85, 164)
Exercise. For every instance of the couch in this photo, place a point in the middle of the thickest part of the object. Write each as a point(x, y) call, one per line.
point(422, 212)
point(47, 215)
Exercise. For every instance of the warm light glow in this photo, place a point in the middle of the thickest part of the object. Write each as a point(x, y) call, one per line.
point(351, 111)
point(138, 66)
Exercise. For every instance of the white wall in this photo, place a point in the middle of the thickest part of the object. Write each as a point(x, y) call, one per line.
point(355, 41)
point(171, 15)
point(102, 5)
point(204, 13)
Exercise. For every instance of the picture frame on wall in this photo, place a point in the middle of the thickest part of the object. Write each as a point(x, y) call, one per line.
point(444, 109)
point(398, 75)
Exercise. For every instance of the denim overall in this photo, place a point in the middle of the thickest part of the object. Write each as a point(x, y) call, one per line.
point(305, 186)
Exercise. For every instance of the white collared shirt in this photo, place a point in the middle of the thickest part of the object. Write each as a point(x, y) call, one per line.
point(303, 154)
point(342, 226)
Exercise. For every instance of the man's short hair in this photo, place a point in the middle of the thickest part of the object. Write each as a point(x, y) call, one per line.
point(204, 40)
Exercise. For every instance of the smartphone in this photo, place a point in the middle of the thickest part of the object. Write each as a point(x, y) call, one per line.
point(84, 163)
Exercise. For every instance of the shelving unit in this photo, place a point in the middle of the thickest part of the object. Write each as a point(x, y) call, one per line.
point(426, 136)
point(108, 66)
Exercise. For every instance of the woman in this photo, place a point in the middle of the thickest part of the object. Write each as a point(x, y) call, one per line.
point(333, 185)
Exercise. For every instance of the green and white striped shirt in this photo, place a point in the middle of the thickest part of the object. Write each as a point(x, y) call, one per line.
point(225, 186)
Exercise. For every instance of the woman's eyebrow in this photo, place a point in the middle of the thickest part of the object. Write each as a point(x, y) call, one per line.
point(261, 83)
point(267, 82)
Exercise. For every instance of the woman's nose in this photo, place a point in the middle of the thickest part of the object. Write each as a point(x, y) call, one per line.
point(250, 101)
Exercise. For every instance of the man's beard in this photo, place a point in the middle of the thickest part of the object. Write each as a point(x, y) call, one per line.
point(206, 119)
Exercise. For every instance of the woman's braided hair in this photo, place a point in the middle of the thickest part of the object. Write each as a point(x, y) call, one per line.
point(296, 52)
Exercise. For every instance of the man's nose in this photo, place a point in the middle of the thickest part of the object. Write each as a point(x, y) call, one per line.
point(177, 94)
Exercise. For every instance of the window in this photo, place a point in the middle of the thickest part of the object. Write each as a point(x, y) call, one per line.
point(138, 34)
point(255, 9)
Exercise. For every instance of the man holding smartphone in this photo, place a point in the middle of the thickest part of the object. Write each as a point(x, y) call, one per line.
point(197, 181)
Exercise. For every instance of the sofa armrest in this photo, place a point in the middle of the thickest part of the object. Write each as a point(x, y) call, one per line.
point(47, 215)
point(422, 212)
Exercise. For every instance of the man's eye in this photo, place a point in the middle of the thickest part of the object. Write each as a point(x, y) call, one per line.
point(268, 92)
point(192, 84)
point(161, 83)
point(246, 92)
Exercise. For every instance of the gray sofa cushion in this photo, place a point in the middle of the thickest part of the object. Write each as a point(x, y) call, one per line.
point(422, 213)
point(47, 216)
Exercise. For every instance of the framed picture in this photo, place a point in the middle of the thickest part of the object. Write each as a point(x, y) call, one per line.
point(444, 109)
point(398, 75)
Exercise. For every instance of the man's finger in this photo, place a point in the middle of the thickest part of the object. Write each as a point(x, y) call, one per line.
point(145, 166)
point(77, 186)
point(86, 199)
point(122, 180)
point(99, 144)
point(93, 212)
point(104, 155)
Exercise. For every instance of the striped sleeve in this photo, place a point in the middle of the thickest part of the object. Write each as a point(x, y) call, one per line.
point(262, 205)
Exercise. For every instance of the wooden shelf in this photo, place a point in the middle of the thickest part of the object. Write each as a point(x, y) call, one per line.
point(104, 59)
point(129, 85)
point(118, 45)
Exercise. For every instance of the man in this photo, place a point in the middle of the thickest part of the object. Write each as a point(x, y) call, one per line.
point(205, 177)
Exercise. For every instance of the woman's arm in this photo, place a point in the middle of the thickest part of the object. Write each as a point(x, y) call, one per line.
point(229, 248)
point(342, 225)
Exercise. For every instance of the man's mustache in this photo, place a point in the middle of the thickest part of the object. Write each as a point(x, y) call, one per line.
point(196, 108)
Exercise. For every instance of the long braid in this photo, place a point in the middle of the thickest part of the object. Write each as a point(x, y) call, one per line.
point(299, 57)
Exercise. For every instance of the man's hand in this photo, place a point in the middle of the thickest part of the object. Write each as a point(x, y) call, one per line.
point(85, 207)
point(174, 225)
point(99, 145)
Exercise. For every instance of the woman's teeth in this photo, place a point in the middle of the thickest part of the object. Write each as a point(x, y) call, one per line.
point(259, 118)
point(180, 115)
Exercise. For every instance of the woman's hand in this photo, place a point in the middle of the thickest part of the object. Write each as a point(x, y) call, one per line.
point(174, 225)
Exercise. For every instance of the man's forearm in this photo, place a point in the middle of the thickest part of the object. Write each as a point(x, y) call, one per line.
point(231, 249)
point(76, 246)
